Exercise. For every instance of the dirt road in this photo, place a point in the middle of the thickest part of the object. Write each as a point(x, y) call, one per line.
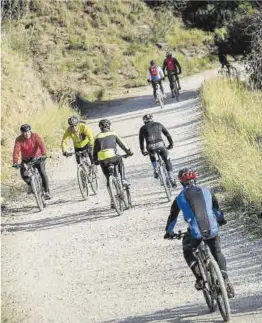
point(79, 262)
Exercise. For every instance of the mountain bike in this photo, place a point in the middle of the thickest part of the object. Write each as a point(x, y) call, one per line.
point(214, 288)
point(174, 85)
point(120, 195)
point(86, 174)
point(159, 94)
point(162, 173)
point(35, 180)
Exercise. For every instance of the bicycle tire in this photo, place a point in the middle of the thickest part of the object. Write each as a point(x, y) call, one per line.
point(129, 199)
point(163, 177)
point(207, 292)
point(92, 179)
point(35, 187)
point(221, 292)
point(115, 193)
point(82, 182)
point(175, 90)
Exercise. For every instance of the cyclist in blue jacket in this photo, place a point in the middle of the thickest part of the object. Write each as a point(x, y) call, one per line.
point(203, 215)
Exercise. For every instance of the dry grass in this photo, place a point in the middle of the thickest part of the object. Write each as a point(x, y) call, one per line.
point(233, 124)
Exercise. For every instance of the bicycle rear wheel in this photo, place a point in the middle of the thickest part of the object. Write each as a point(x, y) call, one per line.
point(163, 179)
point(220, 290)
point(82, 179)
point(175, 90)
point(208, 290)
point(36, 189)
point(116, 195)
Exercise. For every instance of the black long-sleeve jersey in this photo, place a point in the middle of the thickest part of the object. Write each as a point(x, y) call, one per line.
point(151, 132)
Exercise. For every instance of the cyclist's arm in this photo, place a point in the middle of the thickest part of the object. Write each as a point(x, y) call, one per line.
point(168, 136)
point(121, 144)
point(178, 65)
point(216, 209)
point(89, 135)
point(65, 139)
point(161, 73)
point(95, 151)
point(141, 139)
point(172, 219)
point(16, 152)
point(164, 67)
point(39, 144)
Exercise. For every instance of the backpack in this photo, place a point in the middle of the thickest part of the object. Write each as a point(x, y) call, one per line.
point(170, 64)
point(153, 70)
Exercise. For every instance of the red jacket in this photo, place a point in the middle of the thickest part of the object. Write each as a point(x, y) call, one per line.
point(29, 148)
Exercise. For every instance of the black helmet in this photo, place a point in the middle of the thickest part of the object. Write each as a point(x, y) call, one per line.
point(73, 121)
point(169, 54)
point(152, 63)
point(25, 127)
point(104, 124)
point(147, 118)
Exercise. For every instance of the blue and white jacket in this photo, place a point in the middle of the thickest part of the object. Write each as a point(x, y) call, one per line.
point(200, 209)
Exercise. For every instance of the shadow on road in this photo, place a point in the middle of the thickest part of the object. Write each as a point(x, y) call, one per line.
point(247, 306)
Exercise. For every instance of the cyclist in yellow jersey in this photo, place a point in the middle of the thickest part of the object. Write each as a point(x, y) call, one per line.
point(105, 150)
point(81, 136)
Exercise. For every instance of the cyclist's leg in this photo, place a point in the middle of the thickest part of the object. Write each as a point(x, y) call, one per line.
point(153, 160)
point(215, 248)
point(119, 162)
point(41, 169)
point(162, 87)
point(90, 153)
point(171, 80)
point(26, 179)
point(188, 244)
point(178, 82)
point(154, 89)
point(166, 158)
point(77, 157)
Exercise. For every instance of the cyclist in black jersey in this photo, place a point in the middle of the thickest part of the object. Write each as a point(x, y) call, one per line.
point(151, 132)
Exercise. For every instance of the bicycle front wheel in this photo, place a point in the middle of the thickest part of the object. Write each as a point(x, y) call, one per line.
point(175, 90)
point(164, 180)
point(82, 179)
point(37, 192)
point(161, 100)
point(220, 290)
point(116, 195)
point(92, 179)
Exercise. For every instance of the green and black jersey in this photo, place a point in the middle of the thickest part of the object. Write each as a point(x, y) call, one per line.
point(105, 145)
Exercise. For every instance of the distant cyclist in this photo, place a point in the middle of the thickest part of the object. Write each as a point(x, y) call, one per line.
point(82, 138)
point(31, 146)
point(151, 132)
point(155, 75)
point(203, 215)
point(172, 67)
point(105, 151)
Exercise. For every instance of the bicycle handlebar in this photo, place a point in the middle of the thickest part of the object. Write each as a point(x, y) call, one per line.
point(179, 235)
point(32, 162)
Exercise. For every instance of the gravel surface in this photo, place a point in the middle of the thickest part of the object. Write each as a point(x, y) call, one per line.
point(78, 261)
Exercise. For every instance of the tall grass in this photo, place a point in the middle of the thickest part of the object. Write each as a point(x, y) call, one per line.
point(232, 128)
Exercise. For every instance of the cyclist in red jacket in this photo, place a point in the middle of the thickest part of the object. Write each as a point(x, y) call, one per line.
point(173, 67)
point(30, 146)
